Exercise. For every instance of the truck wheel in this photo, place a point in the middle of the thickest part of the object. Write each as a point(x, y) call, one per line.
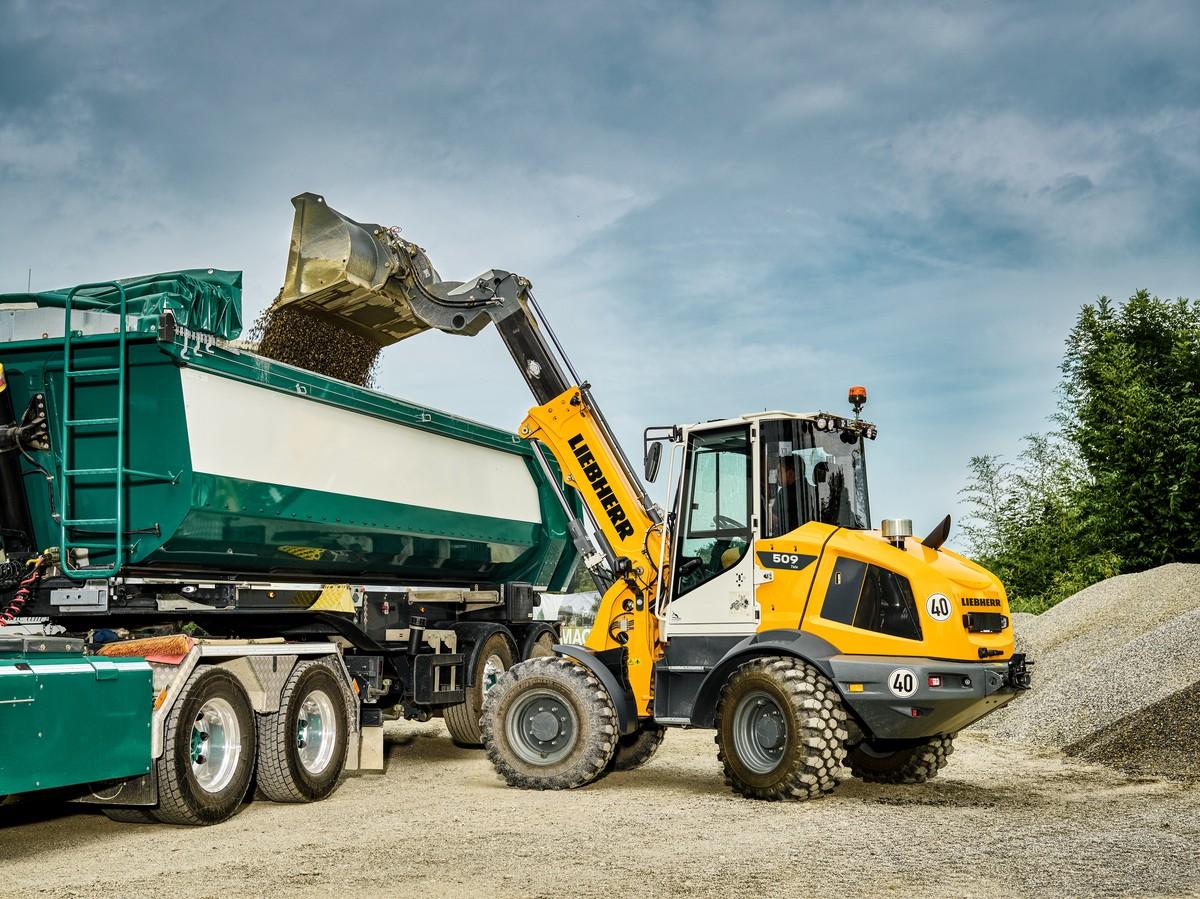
point(549, 724)
point(780, 730)
point(208, 753)
point(875, 763)
point(302, 747)
point(130, 815)
point(462, 720)
point(542, 646)
point(637, 748)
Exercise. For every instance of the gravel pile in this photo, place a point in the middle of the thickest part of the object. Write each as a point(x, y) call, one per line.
point(1117, 674)
point(295, 336)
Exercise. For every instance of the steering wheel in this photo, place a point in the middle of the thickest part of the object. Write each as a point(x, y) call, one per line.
point(725, 523)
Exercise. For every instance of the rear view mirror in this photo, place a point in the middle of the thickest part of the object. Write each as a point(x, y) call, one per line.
point(653, 461)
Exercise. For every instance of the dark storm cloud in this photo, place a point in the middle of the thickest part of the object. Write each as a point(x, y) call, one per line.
point(724, 206)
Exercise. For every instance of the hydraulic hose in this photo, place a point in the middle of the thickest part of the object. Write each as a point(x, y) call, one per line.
point(17, 604)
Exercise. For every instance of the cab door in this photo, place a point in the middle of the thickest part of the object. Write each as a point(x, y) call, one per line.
point(712, 591)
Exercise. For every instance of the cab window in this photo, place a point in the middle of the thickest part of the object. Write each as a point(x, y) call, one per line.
point(810, 475)
point(715, 513)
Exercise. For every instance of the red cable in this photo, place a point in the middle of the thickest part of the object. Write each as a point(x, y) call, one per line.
point(15, 605)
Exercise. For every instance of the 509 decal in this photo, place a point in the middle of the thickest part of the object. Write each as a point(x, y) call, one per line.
point(789, 561)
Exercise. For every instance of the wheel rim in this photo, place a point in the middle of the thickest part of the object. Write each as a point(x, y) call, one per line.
point(316, 732)
point(760, 730)
point(493, 668)
point(542, 727)
point(216, 746)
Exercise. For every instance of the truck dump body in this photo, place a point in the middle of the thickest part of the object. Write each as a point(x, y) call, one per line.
point(237, 464)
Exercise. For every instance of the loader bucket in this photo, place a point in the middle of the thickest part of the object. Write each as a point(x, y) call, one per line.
point(339, 268)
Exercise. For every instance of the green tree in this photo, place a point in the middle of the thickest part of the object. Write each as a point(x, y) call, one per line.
point(1026, 523)
point(1131, 407)
point(1118, 488)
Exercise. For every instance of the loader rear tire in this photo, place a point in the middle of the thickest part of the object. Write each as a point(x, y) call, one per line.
point(495, 657)
point(302, 747)
point(637, 748)
point(549, 724)
point(908, 765)
point(208, 751)
point(780, 730)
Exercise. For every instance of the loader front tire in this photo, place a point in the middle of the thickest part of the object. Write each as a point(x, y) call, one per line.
point(780, 730)
point(635, 749)
point(462, 720)
point(549, 724)
point(876, 763)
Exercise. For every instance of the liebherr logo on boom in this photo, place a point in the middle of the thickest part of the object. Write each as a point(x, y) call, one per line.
point(604, 492)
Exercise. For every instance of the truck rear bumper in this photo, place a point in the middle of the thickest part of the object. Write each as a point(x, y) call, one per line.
point(898, 698)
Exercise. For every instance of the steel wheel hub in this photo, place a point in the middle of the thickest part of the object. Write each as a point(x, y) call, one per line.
point(493, 668)
point(541, 727)
point(760, 731)
point(216, 745)
point(316, 732)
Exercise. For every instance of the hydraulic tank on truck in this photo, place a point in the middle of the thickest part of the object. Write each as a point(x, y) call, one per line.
point(217, 459)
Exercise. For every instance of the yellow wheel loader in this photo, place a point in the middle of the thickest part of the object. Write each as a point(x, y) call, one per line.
point(762, 604)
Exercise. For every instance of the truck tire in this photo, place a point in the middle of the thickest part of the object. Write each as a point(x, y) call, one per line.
point(208, 753)
point(302, 747)
point(780, 730)
point(130, 814)
point(549, 724)
point(493, 659)
point(635, 749)
point(543, 646)
point(907, 765)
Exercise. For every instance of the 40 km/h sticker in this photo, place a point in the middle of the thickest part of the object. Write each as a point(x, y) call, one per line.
point(902, 682)
point(938, 606)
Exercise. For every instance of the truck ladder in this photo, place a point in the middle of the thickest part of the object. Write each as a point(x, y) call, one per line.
point(115, 475)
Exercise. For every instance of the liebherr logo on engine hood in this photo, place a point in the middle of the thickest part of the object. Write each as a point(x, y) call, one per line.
point(601, 487)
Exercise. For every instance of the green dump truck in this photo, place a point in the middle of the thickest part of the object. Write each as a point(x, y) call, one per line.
point(228, 570)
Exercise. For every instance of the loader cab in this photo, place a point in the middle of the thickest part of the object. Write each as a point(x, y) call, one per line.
point(750, 478)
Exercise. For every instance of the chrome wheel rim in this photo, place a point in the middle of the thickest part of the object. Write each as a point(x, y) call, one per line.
point(493, 668)
point(542, 727)
point(760, 731)
point(216, 746)
point(316, 732)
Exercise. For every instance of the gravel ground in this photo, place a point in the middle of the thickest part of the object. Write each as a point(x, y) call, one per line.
point(1113, 661)
point(998, 821)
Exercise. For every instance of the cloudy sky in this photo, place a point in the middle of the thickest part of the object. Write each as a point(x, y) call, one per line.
point(724, 207)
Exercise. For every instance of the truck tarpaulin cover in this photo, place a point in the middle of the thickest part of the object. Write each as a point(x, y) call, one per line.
point(207, 300)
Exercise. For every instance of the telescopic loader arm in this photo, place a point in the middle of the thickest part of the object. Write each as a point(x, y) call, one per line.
point(375, 283)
